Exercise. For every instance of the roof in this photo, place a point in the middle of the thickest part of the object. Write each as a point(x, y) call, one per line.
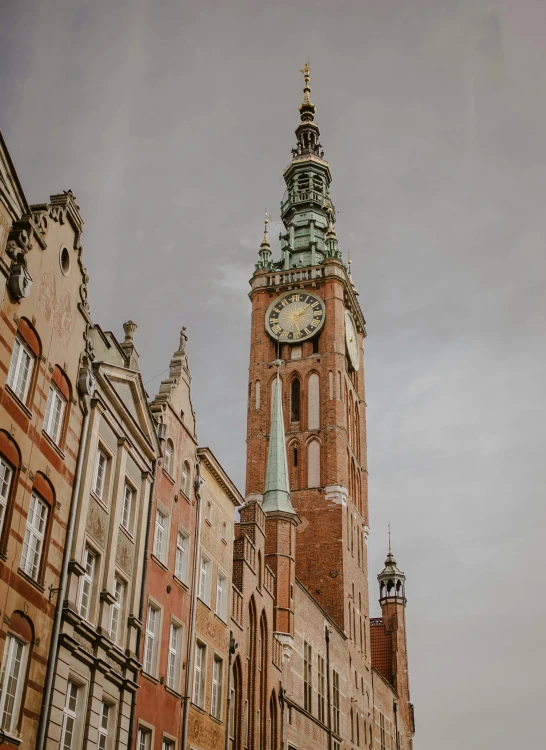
point(218, 472)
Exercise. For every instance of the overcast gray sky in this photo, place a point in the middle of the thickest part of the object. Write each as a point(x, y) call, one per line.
point(172, 122)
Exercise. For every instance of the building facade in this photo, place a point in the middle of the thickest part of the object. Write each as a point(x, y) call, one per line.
point(44, 339)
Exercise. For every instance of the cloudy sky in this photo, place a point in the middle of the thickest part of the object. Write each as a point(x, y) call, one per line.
point(172, 122)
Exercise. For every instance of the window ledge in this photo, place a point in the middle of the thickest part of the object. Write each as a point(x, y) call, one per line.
point(31, 580)
point(174, 692)
point(216, 720)
point(180, 582)
point(208, 521)
point(21, 405)
point(204, 603)
point(127, 533)
point(99, 500)
point(220, 618)
point(54, 445)
point(159, 562)
point(168, 475)
point(150, 677)
point(198, 708)
point(13, 739)
point(186, 498)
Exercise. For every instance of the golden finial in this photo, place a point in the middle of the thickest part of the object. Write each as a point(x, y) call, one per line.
point(306, 89)
point(267, 219)
point(306, 70)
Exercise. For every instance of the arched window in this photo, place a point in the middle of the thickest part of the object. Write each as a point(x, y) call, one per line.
point(57, 400)
point(186, 476)
point(33, 553)
point(257, 393)
point(10, 461)
point(272, 738)
point(331, 384)
point(263, 697)
point(26, 352)
point(15, 663)
point(295, 400)
point(295, 455)
point(313, 402)
point(313, 464)
point(250, 709)
point(169, 457)
point(259, 569)
point(235, 705)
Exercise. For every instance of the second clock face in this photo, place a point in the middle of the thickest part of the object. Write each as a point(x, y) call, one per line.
point(295, 316)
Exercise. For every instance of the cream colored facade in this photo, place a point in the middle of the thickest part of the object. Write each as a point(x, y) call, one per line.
point(209, 683)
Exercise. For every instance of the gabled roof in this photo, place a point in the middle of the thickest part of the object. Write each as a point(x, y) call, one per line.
point(11, 192)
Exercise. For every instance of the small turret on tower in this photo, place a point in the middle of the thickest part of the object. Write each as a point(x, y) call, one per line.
point(392, 580)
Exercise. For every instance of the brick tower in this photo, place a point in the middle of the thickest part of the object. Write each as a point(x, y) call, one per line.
point(306, 314)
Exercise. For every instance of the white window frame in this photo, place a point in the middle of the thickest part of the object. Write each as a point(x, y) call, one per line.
point(217, 687)
point(199, 674)
point(186, 474)
point(161, 535)
point(22, 364)
point(129, 494)
point(14, 668)
point(87, 582)
point(99, 482)
point(6, 479)
point(151, 644)
point(167, 743)
point(70, 717)
point(104, 721)
point(174, 659)
point(205, 570)
point(144, 738)
point(33, 543)
point(54, 414)
point(181, 558)
point(222, 596)
point(169, 457)
point(116, 610)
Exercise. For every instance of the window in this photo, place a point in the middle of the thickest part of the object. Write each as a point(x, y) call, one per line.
point(152, 637)
point(246, 722)
point(167, 744)
point(14, 665)
point(181, 561)
point(127, 510)
point(204, 580)
point(307, 676)
point(103, 726)
point(313, 464)
point(320, 689)
point(53, 421)
point(313, 402)
point(169, 457)
point(186, 479)
point(199, 675)
point(86, 585)
point(6, 475)
point(100, 474)
point(221, 597)
point(68, 732)
point(295, 401)
point(295, 456)
point(258, 388)
point(335, 692)
point(216, 698)
point(116, 613)
point(173, 666)
point(34, 537)
point(20, 370)
point(160, 536)
point(144, 739)
point(259, 728)
point(382, 734)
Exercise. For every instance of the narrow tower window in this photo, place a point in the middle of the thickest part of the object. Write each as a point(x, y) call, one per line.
point(295, 456)
point(295, 401)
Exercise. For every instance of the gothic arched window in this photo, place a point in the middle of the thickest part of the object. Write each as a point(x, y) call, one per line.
point(295, 400)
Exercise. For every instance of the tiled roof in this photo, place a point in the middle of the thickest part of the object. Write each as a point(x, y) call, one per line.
point(381, 648)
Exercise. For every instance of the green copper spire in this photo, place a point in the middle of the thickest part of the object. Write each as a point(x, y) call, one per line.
point(277, 487)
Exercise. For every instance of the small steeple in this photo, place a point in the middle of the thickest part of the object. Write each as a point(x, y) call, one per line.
point(391, 579)
point(276, 496)
point(308, 131)
point(266, 259)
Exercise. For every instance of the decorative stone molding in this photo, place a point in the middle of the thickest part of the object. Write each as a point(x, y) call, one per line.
point(336, 493)
point(287, 642)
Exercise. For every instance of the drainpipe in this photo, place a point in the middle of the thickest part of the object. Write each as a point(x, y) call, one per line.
point(142, 603)
point(191, 635)
point(61, 592)
point(233, 645)
point(327, 636)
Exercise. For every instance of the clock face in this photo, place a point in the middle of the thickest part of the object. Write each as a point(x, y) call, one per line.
point(351, 337)
point(295, 316)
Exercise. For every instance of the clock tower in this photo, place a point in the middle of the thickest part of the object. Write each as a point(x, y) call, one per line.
point(305, 313)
